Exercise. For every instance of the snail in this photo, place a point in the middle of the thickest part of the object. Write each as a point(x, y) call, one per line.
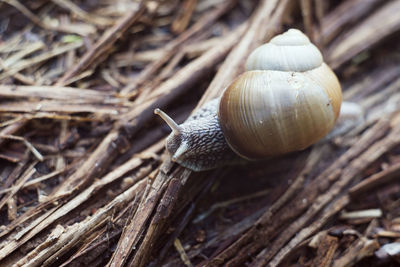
point(287, 100)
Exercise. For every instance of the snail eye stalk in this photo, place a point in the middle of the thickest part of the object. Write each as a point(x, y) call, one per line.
point(168, 120)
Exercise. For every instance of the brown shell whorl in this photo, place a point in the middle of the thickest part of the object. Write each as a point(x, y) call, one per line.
point(284, 105)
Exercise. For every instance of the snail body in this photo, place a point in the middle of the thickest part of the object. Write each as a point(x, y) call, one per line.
point(287, 100)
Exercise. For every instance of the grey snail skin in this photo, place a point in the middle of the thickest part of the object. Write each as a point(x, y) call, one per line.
point(287, 100)
point(198, 143)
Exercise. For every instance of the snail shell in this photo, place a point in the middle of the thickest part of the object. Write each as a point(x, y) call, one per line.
point(288, 100)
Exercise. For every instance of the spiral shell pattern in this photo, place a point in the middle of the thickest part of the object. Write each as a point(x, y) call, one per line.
point(286, 101)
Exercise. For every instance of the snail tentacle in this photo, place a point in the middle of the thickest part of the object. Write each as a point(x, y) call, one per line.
point(169, 121)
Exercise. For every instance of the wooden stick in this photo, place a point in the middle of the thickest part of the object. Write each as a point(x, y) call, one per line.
point(376, 180)
point(92, 56)
point(364, 35)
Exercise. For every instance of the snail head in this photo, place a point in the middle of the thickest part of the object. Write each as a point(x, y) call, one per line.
point(175, 144)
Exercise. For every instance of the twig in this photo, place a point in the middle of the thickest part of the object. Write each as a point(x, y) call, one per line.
point(346, 13)
point(30, 49)
point(307, 14)
point(12, 128)
point(58, 93)
point(51, 216)
point(34, 151)
point(23, 64)
point(375, 180)
point(76, 10)
point(364, 35)
point(19, 183)
point(35, 181)
point(372, 82)
point(73, 234)
point(184, 15)
point(370, 213)
point(182, 252)
point(359, 250)
point(91, 57)
point(348, 174)
point(173, 46)
point(26, 12)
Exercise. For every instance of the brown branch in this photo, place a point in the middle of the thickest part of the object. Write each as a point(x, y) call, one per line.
point(91, 57)
point(12, 129)
point(171, 48)
point(364, 35)
point(184, 15)
point(51, 216)
point(57, 92)
point(376, 180)
point(307, 13)
point(75, 233)
point(359, 250)
point(347, 12)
